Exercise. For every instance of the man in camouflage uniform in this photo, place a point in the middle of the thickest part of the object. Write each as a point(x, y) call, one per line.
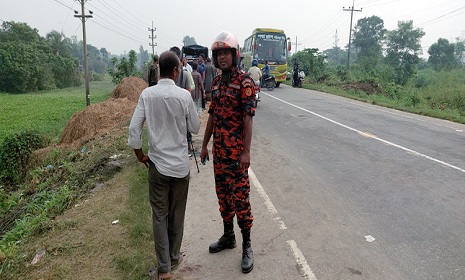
point(230, 122)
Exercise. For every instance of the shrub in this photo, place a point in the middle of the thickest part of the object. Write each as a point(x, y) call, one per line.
point(14, 155)
point(412, 99)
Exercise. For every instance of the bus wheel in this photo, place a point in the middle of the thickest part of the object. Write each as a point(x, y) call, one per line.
point(277, 84)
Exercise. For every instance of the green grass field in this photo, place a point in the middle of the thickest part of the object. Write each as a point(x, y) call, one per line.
point(47, 112)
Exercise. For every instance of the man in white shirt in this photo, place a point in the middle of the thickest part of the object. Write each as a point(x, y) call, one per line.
point(169, 112)
point(255, 72)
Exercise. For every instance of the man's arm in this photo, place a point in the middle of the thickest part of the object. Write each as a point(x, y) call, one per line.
point(245, 156)
point(193, 121)
point(206, 138)
point(135, 132)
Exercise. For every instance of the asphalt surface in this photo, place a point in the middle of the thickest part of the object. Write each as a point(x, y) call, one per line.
point(340, 190)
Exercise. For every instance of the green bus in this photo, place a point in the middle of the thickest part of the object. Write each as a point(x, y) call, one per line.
point(267, 44)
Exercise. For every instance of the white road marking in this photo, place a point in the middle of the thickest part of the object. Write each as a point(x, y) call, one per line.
point(438, 122)
point(306, 270)
point(261, 191)
point(372, 136)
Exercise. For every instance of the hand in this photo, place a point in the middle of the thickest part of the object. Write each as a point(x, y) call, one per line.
point(145, 160)
point(204, 155)
point(245, 160)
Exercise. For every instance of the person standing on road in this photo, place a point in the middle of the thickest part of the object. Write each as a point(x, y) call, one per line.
point(185, 81)
point(230, 122)
point(169, 112)
point(186, 65)
point(210, 73)
point(154, 72)
point(199, 91)
point(201, 70)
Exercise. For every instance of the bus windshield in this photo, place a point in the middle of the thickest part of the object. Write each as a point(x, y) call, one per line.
point(270, 47)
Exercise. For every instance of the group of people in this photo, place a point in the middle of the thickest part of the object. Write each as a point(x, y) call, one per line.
point(199, 77)
point(168, 109)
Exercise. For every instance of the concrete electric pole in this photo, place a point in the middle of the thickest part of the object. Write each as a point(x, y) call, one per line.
point(336, 47)
point(296, 44)
point(83, 17)
point(351, 10)
point(153, 37)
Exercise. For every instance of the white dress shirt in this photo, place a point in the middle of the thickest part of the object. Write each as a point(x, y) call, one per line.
point(168, 110)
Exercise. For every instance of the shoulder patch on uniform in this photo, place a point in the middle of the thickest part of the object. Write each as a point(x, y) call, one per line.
point(247, 82)
point(231, 85)
point(248, 91)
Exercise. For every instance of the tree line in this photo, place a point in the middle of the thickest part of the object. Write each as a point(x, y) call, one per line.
point(381, 55)
point(30, 62)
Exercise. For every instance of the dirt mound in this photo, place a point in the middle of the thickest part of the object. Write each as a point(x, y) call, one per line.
point(97, 119)
point(368, 88)
point(130, 88)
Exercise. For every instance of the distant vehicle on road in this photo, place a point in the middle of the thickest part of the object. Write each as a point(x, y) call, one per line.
point(193, 52)
point(267, 44)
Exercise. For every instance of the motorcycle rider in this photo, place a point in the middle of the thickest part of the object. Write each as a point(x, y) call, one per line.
point(266, 71)
point(255, 72)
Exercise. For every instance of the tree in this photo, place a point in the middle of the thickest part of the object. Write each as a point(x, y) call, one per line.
point(29, 62)
point(336, 56)
point(442, 55)
point(143, 57)
point(368, 37)
point(311, 62)
point(460, 51)
point(187, 41)
point(123, 68)
point(403, 48)
point(59, 43)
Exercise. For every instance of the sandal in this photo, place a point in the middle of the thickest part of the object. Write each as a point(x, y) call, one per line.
point(153, 272)
point(164, 276)
point(175, 264)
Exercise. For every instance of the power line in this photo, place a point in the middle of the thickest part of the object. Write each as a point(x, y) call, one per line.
point(328, 23)
point(64, 5)
point(116, 32)
point(66, 20)
point(115, 20)
point(136, 18)
point(441, 16)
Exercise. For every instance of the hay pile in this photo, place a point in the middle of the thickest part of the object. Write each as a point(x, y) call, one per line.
point(98, 119)
point(130, 88)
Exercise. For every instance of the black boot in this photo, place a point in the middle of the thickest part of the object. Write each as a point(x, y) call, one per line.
point(227, 241)
point(247, 253)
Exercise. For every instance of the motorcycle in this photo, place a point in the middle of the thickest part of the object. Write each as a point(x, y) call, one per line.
point(300, 79)
point(269, 82)
point(257, 96)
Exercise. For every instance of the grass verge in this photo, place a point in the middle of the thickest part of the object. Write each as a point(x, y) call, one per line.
point(47, 112)
point(416, 101)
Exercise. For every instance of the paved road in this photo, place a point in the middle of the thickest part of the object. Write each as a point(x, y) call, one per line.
point(341, 190)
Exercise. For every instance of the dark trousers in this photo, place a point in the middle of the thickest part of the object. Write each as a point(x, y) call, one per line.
point(168, 196)
point(203, 103)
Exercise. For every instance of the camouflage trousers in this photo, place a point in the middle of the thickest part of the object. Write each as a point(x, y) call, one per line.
point(233, 189)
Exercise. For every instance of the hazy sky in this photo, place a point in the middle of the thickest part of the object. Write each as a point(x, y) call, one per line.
point(121, 25)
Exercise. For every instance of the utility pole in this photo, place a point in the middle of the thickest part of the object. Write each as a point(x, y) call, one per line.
point(83, 17)
point(336, 41)
point(295, 44)
point(153, 37)
point(351, 10)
